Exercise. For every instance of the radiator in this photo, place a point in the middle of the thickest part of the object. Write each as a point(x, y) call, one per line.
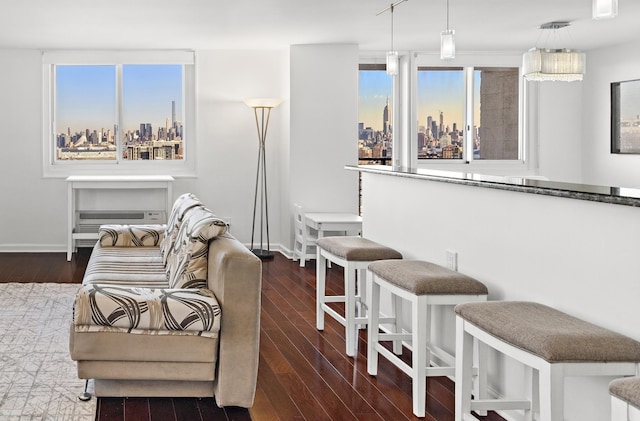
point(89, 221)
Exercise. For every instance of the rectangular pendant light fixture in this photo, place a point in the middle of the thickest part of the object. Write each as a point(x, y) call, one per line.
point(605, 9)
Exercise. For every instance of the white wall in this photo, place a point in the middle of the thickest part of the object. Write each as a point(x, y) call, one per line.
point(228, 139)
point(574, 255)
point(34, 209)
point(324, 130)
point(560, 130)
point(600, 166)
point(323, 104)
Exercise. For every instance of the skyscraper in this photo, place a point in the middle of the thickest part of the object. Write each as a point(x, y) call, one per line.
point(173, 113)
point(386, 119)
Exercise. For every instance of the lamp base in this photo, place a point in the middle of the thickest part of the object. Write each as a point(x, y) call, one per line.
point(263, 254)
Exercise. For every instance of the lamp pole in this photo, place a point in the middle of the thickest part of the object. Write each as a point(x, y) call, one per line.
point(262, 111)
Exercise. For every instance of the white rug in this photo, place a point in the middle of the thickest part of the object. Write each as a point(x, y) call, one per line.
point(38, 379)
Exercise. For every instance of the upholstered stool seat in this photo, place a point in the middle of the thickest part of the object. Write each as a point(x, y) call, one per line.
point(625, 399)
point(555, 344)
point(353, 254)
point(425, 285)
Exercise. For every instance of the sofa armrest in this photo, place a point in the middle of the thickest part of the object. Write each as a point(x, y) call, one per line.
point(115, 235)
point(235, 276)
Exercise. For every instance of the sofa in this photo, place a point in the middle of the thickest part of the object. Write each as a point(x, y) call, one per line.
point(170, 310)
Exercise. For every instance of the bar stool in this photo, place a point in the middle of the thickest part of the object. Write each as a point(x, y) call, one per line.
point(425, 285)
point(551, 344)
point(625, 399)
point(353, 254)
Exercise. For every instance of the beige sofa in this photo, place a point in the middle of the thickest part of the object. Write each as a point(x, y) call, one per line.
point(170, 311)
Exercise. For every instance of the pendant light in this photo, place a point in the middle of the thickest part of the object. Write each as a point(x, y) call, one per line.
point(392, 55)
point(553, 64)
point(605, 9)
point(447, 43)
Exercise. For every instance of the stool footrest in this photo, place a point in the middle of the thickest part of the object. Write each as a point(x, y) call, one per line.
point(505, 404)
point(441, 371)
point(407, 369)
point(393, 336)
point(383, 320)
point(334, 314)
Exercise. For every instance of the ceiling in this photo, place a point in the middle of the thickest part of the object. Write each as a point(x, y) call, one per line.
point(480, 25)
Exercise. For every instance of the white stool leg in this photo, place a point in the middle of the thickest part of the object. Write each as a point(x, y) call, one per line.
point(480, 361)
point(421, 322)
point(529, 392)
point(351, 336)
point(464, 371)
point(321, 271)
point(373, 303)
point(396, 311)
point(535, 394)
point(552, 392)
point(303, 251)
point(361, 295)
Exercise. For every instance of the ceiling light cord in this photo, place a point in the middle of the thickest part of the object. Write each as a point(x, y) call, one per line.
point(391, 8)
point(447, 15)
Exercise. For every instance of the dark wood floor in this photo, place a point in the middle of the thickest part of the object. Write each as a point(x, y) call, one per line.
point(303, 374)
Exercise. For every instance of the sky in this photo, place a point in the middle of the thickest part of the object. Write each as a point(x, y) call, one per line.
point(434, 95)
point(86, 96)
point(375, 86)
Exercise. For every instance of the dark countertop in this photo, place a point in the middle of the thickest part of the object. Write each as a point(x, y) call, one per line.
point(614, 195)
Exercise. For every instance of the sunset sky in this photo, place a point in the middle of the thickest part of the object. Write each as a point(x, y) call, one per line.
point(441, 90)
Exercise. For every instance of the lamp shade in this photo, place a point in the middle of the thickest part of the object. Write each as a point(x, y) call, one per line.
point(447, 45)
point(263, 102)
point(392, 63)
point(605, 9)
point(553, 65)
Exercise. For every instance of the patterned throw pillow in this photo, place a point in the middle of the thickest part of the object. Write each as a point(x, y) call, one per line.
point(187, 262)
point(131, 235)
point(180, 207)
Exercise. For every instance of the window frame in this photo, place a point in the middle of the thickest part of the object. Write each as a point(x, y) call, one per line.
point(375, 65)
point(58, 168)
point(527, 115)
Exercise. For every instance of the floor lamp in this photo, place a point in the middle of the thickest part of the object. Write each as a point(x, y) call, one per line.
point(262, 110)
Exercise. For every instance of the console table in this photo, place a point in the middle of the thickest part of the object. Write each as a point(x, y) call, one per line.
point(114, 182)
point(330, 221)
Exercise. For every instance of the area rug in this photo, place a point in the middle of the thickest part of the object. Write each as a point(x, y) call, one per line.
point(38, 379)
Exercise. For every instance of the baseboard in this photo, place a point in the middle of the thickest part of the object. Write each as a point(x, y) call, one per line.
point(279, 248)
point(33, 248)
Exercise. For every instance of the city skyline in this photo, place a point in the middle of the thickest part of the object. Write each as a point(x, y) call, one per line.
point(434, 96)
point(86, 97)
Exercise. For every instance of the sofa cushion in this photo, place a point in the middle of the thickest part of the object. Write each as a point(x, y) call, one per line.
point(180, 207)
point(135, 310)
point(131, 266)
point(131, 235)
point(187, 262)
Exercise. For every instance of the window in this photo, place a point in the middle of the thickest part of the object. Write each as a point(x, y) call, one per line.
point(375, 129)
point(468, 113)
point(471, 112)
point(441, 113)
point(130, 110)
